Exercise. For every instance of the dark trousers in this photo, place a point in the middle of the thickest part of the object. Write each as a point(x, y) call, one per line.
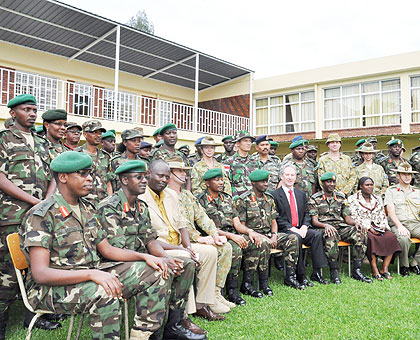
point(313, 239)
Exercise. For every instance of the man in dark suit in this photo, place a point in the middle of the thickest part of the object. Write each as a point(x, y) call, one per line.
point(293, 217)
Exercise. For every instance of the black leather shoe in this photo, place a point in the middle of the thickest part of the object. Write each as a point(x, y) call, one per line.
point(304, 281)
point(290, 279)
point(335, 277)
point(43, 324)
point(415, 269)
point(54, 317)
point(247, 286)
point(318, 278)
point(404, 271)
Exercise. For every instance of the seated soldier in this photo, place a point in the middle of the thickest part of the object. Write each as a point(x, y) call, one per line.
point(60, 239)
point(402, 202)
point(257, 210)
point(247, 245)
point(194, 214)
point(172, 231)
point(330, 213)
point(125, 221)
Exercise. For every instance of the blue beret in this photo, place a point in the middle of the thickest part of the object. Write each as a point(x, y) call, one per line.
point(260, 139)
point(71, 161)
point(144, 145)
point(296, 138)
point(198, 141)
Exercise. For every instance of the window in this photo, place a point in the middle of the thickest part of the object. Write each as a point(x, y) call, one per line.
point(285, 113)
point(81, 99)
point(125, 109)
point(415, 99)
point(364, 104)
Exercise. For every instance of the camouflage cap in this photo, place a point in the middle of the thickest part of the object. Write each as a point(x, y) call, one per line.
point(134, 165)
point(241, 134)
point(311, 147)
point(176, 162)
point(21, 99)
point(140, 129)
point(70, 125)
point(371, 140)
point(209, 141)
point(52, 115)
point(395, 141)
point(259, 175)
point(328, 175)
point(212, 173)
point(333, 137)
point(92, 126)
point(130, 134)
point(71, 161)
point(404, 168)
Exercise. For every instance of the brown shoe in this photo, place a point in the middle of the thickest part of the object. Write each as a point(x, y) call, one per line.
point(188, 324)
point(206, 313)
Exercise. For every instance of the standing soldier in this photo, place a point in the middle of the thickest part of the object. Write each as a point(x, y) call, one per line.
point(108, 143)
point(157, 136)
point(196, 157)
point(228, 144)
point(357, 159)
point(267, 162)
point(8, 122)
point(72, 136)
point(305, 171)
point(273, 149)
point(391, 162)
point(247, 245)
point(379, 155)
point(312, 154)
point(55, 128)
point(415, 163)
point(338, 163)
point(25, 180)
point(185, 149)
point(241, 164)
point(144, 152)
point(92, 130)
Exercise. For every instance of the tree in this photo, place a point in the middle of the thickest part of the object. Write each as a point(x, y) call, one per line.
point(142, 22)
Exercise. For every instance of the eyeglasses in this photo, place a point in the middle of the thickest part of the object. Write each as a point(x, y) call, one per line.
point(84, 173)
point(58, 124)
point(139, 177)
point(75, 131)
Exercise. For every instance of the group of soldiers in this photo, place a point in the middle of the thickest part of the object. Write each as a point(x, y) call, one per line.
point(100, 223)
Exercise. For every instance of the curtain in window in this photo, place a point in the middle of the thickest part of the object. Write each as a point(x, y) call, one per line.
point(371, 106)
point(415, 105)
point(276, 119)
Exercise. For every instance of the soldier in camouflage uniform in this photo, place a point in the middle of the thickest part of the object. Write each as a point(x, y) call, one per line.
point(185, 149)
point(25, 180)
point(55, 128)
point(108, 143)
point(289, 156)
point(128, 150)
point(207, 162)
point(329, 212)
point(92, 130)
point(60, 238)
point(72, 136)
point(257, 210)
point(195, 215)
point(247, 246)
point(125, 221)
point(339, 164)
point(144, 152)
point(312, 153)
point(273, 149)
point(8, 123)
point(357, 159)
point(196, 157)
point(229, 145)
point(306, 176)
point(374, 142)
point(391, 162)
point(241, 164)
point(415, 163)
point(267, 162)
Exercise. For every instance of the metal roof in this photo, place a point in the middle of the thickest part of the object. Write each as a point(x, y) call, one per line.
point(60, 29)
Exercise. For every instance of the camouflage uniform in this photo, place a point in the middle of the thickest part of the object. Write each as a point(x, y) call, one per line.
point(415, 163)
point(378, 175)
point(273, 167)
point(389, 164)
point(163, 153)
point(306, 177)
point(72, 242)
point(28, 169)
point(343, 169)
point(289, 156)
point(193, 159)
point(333, 211)
point(100, 168)
point(257, 214)
point(222, 210)
point(199, 169)
point(378, 157)
point(356, 160)
point(238, 174)
point(55, 149)
point(129, 228)
point(222, 158)
point(115, 162)
point(195, 214)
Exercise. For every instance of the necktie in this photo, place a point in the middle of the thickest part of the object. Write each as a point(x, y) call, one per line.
point(293, 209)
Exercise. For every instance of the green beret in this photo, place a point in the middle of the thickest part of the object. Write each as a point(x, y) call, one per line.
point(229, 137)
point(185, 146)
point(273, 143)
point(39, 129)
point(395, 141)
point(298, 143)
point(259, 175)
point(132, 166)
point(167, 127)
point(56, 114)
point(71, 161)
point(22, 99)
point(157, 132)
point(159, 143)
point(109, 134)
point(213, 173)
point(360, 141)
point(328, 175)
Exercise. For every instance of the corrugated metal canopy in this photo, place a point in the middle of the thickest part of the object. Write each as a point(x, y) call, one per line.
point(60, 29)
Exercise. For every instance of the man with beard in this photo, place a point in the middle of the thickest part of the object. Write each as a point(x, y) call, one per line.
point(267, 162)
point(394, 159)
point(55, 128)
point(229, 145)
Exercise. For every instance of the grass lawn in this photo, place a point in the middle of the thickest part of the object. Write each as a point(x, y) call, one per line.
point(353, 310)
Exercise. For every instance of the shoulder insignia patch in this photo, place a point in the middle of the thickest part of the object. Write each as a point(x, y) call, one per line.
point(253, 198)
point(209, 198)
point(126, 207)
point(63, 210)
point(43, 207)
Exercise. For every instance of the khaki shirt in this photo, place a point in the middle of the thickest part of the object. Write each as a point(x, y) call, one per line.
point(406, 204)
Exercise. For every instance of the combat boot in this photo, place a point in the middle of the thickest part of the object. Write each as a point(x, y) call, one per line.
point(263, 282)
point(247, 286)
point(316, 276)
point(357, 273)
point(232, 290)
point(290, 278)
point(157, 335)
point(3, 322)
point(40, 323)
point(174, 329)
point(335, 277)
point(222, 299)
point(137, 334)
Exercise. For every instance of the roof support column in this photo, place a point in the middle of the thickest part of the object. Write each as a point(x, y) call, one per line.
point(117, 72)
point(197, 69)
point(252, 123)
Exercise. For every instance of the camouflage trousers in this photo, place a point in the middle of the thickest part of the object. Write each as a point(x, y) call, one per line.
point(347, 234)
point(290, 245)
point(224, 262)
point(8, 282)
point(251, 257)
point(180, 285)
point(103, 311)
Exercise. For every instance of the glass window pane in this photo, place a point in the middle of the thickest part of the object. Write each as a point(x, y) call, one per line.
point(415, 100)
point(261, 102)
point(308, 96)
point(308, 111)
point(350, 90)
point(332, 109)
point(391, 120)
point(262, 117)
point(351, 123)
point(262, 130)
point(332, 124)
point(276, 100)
point(276, 115)
point(351, 106)
point(415, 81)
point(372, 121)
point(391, 102)
point(388, 85)
point(292, 113)
point(292, 98)
point(371, 104)
point(415, 117)
point(370, 87)
point(332, 93)
point(308, 126)
point(276, 129)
